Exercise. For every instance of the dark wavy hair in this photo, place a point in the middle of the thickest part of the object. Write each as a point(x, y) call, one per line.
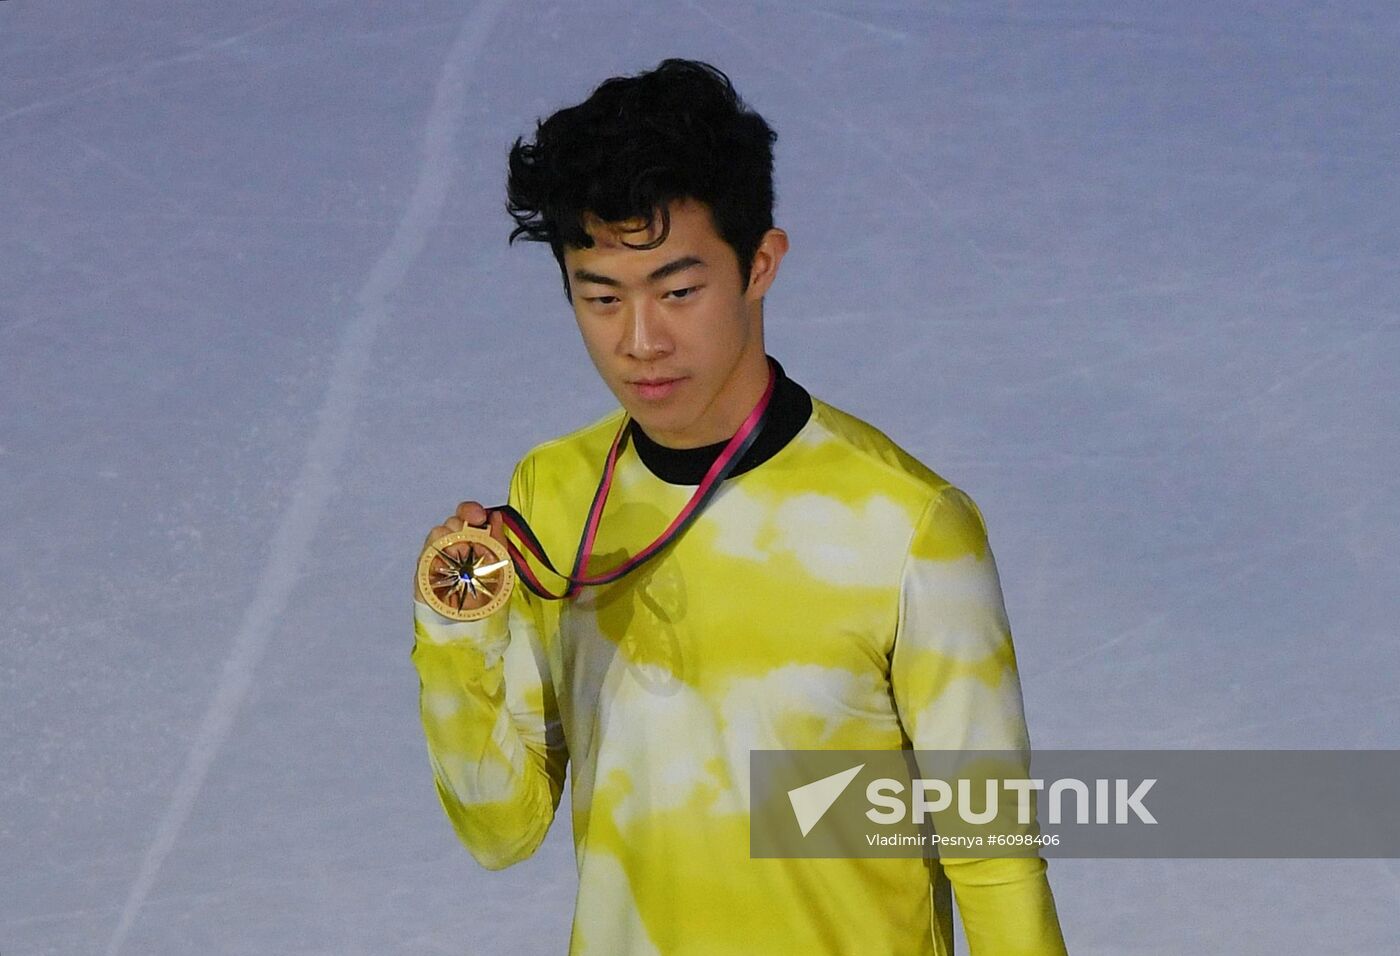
point(638, 143)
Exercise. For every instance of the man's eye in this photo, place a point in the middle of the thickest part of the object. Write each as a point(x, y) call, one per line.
point(603, 299)
point(683, 293)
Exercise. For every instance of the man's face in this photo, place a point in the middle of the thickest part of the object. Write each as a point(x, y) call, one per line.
point(672, 330)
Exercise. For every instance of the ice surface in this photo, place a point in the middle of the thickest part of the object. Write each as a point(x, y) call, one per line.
point(1126, 272)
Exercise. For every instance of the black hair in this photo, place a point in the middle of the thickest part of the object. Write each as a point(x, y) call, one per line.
point(638, 143)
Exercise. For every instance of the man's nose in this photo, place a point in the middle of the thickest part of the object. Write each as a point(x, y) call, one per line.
point(645, 336)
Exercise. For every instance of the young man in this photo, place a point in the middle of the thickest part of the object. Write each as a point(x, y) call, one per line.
point(833, 593)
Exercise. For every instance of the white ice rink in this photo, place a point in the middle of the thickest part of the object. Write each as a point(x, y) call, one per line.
point(1127, 272)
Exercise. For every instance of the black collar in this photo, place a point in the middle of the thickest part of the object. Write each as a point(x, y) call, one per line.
point(788, 411)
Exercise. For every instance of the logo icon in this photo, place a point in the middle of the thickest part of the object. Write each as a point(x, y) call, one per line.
point(811, 801)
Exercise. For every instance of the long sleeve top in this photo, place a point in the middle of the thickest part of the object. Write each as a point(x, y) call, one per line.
point(840, 595)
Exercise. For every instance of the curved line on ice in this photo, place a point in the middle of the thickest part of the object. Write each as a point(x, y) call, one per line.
point(291, 545)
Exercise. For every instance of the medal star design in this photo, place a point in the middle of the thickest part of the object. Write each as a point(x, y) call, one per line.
point(463, 576)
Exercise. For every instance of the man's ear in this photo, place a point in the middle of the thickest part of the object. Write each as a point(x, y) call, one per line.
point(766, 259)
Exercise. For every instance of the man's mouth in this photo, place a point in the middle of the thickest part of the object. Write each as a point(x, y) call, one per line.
point(654, 389)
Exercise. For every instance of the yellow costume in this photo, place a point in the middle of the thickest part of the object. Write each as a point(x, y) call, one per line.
point(839, 595)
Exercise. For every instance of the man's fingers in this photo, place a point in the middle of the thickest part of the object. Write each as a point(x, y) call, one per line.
point(472, 513)
point(469, 513)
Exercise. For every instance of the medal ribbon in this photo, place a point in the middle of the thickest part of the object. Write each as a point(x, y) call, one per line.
point(579, 578)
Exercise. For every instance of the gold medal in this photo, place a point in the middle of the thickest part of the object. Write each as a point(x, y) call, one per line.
point(470, 585)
